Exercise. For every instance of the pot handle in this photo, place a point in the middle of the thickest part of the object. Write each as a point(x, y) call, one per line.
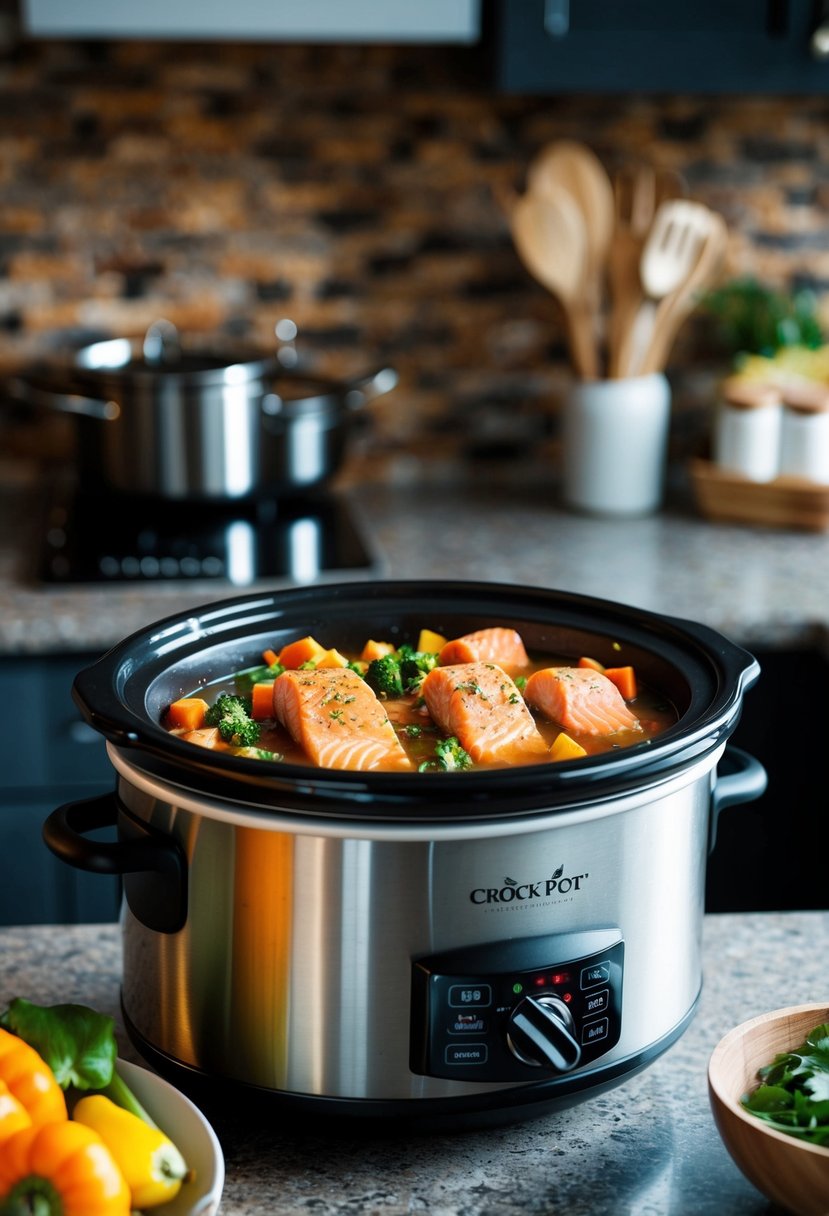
point(20, 392)
point(373, 385)
point(153, 865)
point(740, 778)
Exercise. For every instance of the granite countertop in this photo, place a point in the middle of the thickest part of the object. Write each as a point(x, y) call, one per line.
point(441, 518)
point(649, 1146)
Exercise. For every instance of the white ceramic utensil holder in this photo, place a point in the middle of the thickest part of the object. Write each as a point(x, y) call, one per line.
point(614, 444)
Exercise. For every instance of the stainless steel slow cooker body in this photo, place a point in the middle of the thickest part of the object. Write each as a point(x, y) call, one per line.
point(391, 943)
point(198, 423)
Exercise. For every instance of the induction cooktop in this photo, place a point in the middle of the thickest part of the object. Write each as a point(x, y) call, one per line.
point(101, 537)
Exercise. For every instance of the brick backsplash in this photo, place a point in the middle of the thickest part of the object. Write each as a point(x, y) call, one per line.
point(353, 189)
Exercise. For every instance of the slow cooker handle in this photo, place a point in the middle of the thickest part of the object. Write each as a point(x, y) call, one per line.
point(152, 864)
point(740, 778)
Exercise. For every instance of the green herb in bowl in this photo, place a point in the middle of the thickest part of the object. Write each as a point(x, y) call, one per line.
point(793, 1095)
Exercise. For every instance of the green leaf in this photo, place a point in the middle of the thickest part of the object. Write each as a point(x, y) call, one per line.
point(76, 1042)
point(793, 1096)
point(769, 1098)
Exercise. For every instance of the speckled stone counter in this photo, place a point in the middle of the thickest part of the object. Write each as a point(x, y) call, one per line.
point(436, 518)
point(646, 1148)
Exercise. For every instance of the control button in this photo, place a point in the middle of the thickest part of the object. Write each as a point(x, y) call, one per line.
point(596, 973)
point(466, 1053)
point(470, 996)
point(597, 1002)
point(593, 1032)
point(467, 1023)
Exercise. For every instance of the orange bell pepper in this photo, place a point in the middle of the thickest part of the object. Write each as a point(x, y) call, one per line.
point(13, 1114)
point(60, 1169)
point(30, 1080)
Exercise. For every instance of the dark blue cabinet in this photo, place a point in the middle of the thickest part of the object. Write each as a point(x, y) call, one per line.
point(48, 755)
point(650, 46)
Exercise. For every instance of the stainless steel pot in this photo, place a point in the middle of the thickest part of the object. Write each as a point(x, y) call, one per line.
point(409, 944)
point(157, 419)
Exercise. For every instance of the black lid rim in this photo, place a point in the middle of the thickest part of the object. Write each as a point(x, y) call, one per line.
point(111, 695)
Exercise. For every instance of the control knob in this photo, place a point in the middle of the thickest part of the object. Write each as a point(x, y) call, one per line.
point(541, 1033)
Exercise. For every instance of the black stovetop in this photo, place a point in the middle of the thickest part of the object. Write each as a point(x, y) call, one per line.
point(100, 537)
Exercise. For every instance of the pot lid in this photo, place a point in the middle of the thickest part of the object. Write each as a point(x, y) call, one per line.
point(125, 694)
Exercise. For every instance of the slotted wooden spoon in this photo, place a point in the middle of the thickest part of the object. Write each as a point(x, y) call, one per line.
point(551, 239)
point(680, 303)
point(669, 256)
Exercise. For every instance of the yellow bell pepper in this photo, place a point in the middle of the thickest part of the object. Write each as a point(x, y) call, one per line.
point(30, 1080)
point(153, 1167)
point(13, 1114)
point(60, 1169)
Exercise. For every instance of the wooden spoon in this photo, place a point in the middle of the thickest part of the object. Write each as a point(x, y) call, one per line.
point(680, 303)
point(669, 255)
point(638, 191)
point(565, 164)
point(551, 240)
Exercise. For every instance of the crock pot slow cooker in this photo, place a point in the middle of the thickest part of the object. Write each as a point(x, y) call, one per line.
point(410, 944)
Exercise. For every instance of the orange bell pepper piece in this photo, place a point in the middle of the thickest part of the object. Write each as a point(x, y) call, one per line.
point(66, 1167)
point(13, 1114)
point(30, 1080)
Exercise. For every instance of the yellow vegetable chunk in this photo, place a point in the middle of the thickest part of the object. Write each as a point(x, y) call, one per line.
point(429, 642)
point(152, 1166)
point(566, 748)
point(332, 658)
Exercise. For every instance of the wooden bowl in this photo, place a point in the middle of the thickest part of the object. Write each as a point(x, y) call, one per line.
point(788, 1171)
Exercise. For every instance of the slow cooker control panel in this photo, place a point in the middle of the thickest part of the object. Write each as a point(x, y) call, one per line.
point(519, 1010)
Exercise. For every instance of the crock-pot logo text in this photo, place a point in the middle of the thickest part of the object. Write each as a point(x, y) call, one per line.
point(512, 892)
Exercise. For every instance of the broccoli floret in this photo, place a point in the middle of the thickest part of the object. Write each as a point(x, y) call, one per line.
point(383, 676)
point(449, 757)
point(245, 680)
point(414, 666)
point(232, 716)
point(401, 672)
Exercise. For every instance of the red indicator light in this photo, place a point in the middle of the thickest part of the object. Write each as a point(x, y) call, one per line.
point(567, 997)
point(560, 977)
point(539, 981)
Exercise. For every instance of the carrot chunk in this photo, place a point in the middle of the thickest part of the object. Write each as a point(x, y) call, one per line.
point(269, 657)
point(593, 664)
point(303, 650)
point(187, 713)
point(625, 680)
point(262, 701)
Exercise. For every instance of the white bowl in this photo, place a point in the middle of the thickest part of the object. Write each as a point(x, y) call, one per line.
point(187, 1127)
point(790, 1172)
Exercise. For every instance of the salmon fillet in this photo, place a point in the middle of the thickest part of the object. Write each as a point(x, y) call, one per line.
point(337, 719)
point(495, 645)
point(582, 701)
point(480, 705)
